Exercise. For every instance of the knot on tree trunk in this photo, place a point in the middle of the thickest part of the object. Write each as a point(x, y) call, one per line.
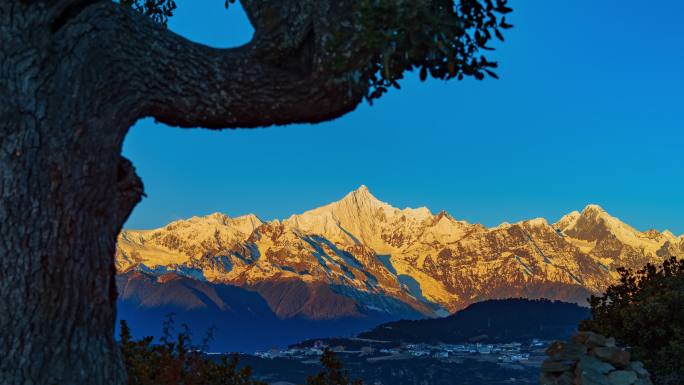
point(130, 190)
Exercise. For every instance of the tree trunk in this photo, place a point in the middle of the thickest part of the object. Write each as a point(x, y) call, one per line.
point(60, 214)
point(74, 76)
point(65, 192)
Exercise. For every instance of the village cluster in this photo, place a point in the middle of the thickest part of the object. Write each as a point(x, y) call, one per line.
point(503, 352)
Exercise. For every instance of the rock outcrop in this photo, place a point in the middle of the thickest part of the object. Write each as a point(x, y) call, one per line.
point(591, 359)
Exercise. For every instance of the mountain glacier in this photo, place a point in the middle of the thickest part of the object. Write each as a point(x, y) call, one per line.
point(360, 256)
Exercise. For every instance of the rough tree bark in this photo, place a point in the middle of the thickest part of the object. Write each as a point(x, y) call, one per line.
point(74, 76)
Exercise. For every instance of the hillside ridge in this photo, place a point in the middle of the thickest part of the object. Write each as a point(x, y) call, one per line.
point(373, 257)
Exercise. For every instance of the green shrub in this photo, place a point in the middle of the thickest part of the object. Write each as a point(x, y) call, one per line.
point(645, 311)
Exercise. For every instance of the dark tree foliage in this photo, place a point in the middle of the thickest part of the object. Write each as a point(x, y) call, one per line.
point(440, 38)
point(176, 361)
point(158, 10)
point(332, 374)
point(645, 311)
point(501, 320)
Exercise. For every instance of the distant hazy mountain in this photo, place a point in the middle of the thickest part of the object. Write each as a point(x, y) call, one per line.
point(500, 320)
point(362, 259)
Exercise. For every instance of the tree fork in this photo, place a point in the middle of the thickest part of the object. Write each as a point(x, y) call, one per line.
point(74, 77)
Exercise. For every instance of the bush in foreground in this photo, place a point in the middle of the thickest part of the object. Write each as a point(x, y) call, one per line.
point(176, 361)
point(645, 311)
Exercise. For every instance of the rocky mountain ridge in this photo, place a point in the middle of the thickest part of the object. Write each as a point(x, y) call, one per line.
point(366, 256)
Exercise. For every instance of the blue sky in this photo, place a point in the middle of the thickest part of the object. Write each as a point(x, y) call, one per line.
point(588, 110)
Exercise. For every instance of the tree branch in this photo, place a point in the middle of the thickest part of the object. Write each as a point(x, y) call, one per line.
point(273, 80)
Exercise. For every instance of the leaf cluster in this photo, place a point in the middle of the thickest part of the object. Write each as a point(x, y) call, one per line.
point(158, 10)
point(442, 39)
point(645, 311)
point(176, 361)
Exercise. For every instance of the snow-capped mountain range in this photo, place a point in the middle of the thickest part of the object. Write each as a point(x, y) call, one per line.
point(361, 256)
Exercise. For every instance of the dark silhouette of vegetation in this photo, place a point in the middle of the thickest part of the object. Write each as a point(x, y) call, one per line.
point(157, 10)
point(332, 374)
point(501, 320)
point(176, 361)
point(645, 311)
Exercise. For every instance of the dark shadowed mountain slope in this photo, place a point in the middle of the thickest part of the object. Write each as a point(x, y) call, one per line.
point(243, 319)
point(493, 321)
